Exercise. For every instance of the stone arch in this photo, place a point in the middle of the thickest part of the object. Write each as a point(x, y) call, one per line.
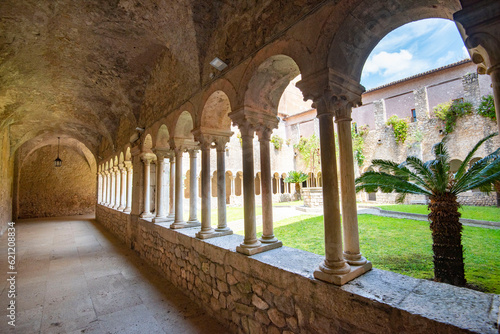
point(276, 178)
point(268, 82)
point(215, 110)
point(257, 183)
point(128, 155)
point(238, 183)
point(229, 188)
point(162, 138)
point(320, 180)
point(183, 129)
point(147, 144)
point(121, 158)
point(214, 184)
point(368, 23)
point(454, 165)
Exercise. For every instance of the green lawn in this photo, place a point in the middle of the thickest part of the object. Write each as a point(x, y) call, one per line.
point(294, 203)
point(471, 212)
point(403, 246)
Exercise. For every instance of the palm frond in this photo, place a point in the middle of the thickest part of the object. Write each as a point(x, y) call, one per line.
point(425, 175)
point(483, 168)
point(371, 181)
point(463, 167)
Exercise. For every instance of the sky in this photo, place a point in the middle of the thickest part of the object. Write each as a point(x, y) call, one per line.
point(413, 48)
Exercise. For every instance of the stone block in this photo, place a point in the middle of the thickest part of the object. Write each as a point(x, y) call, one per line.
point(243, 309)
point(259, 303)
point(276, 317)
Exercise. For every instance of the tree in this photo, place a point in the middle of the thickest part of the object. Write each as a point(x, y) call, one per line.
point(434, 179)
point(309, 150)
point(297, 178)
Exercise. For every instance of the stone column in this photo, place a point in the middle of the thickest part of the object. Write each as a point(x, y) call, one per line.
point(264, 134)
point(128, 206)
point(206, 220)
point(179, 214)
point(146, 159)
point(112, 200)
point(221, 186)
point(161, 215)
point(334, 263)
point(101, 188)
point(171, 187)
point(193, 188)
point(108, 188)
point(117, 187)
point(123, 187)
point(349, 210)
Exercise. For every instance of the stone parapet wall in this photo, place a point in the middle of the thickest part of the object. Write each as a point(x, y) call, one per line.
point(275, 292)
point(467, 198)
point(313, 197)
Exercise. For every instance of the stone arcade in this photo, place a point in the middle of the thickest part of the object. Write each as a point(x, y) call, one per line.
point(128, 87)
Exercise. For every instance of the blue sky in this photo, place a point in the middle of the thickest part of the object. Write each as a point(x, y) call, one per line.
point(413, 48)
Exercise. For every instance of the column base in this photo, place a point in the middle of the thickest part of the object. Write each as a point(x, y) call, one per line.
point(159, 219)
point(268, 240)
point(341, 279)
point(213, 234)
point(354, 259)
point(258, 249)
point(146, 215)
point(224, 229)
point(120, 208)
point(194, 221)
point(127, 210)
point(177, 225)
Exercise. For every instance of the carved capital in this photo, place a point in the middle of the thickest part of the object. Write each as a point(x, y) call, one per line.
point(147, 158)
point(128, 165)
point(249, 121)
point(264, 133)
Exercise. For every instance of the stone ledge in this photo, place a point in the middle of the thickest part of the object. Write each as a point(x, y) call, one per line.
point(377, 301)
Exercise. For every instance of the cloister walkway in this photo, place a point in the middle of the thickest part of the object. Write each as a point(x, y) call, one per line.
point(75, 277)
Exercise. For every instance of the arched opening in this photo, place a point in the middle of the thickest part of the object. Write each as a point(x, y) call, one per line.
point(229, 189)
point(237, 183)
point(257, 184)
point(454, 165)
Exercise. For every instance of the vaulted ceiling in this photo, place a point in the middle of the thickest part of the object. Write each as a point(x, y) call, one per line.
point(78, 68)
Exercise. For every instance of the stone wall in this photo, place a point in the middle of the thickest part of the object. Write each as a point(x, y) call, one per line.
point(313, 197)
point(275, 292)
point(6, 177)
point(47, 191)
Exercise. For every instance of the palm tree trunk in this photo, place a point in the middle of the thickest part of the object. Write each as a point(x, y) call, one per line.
point(497, 188)
point(297, 191)
point(447, 239)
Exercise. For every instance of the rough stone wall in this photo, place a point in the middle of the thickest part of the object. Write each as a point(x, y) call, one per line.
point(47, 191)
point(313, 197)
point(274, 292)
point(6, 177)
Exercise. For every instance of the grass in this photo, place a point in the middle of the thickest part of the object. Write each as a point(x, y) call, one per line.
point(488, 213)
point(386, 243)
point(294, 203)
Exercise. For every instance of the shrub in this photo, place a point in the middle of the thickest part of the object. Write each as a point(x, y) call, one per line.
point(449, 112)
point(487, 107)
point(277, 141)
point(400, 127)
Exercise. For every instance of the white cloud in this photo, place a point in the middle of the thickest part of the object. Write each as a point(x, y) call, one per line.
point(386, 64)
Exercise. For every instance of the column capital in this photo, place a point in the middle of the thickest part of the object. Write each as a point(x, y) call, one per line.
point(264, 133)
point(115, 169)
point(121, 166)
point(208, 136)
point(161, 153)
point(128, 164)
point(248, 120)
point(147, 158)
point(480, 27)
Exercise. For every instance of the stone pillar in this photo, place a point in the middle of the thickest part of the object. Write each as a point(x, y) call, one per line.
point(330, 91)
point(108, 188)
point(101, 187)
point(264, 134)
point(221, 184)
point(112, 200)
point(128, 206)
point(206, 220)
point(171, 187)
point(250, 242)
point(123, 187)
point(334, 263)
point(193, 188)
point(146, 159)
point(247, 121)
point(160, 211)
point(179, 185)
point(118, 187)
point(349, 209)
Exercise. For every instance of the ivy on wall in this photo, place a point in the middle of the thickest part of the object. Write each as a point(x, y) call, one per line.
point(449, 112)
point(358, 142)
point(487, 107)
point(400, 127)
point(277, 141)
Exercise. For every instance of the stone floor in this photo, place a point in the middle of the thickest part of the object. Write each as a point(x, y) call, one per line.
point(74, 277)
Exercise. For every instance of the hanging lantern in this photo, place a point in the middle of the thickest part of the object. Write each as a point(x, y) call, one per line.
point(58, 162)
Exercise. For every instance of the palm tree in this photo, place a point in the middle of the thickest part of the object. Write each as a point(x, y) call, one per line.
point(434, 179)
point(297, 178)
